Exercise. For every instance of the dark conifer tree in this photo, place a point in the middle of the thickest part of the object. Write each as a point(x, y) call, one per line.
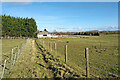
point(18, 27)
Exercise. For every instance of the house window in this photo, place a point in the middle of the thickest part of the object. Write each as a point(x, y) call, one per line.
point(44, 34)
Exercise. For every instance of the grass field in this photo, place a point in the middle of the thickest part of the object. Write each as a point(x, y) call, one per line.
point(8, 44)
point(103, 54)
point(38, 61)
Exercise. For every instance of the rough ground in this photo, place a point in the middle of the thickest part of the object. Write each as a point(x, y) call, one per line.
point(36, 62)
point(26, 66)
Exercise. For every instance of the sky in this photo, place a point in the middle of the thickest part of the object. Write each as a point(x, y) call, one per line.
point(60, 0)
point(67, 16)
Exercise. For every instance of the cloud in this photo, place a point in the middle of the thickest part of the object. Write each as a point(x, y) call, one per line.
point(77, 28)
point(14, 2)
point(62, 28)
point(104, 28)
point(111, 28)
point(69, 29)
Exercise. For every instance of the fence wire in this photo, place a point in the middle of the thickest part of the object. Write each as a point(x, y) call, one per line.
point(48, 47)
point(9, 62)
point(104, 62)
point(104, 71)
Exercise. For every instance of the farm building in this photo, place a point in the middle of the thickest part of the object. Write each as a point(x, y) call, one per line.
point(45, 34)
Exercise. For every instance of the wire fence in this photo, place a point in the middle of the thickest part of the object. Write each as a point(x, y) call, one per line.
point(58, 48)
point(9, 59)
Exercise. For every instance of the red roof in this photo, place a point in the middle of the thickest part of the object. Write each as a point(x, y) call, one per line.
point(52, 33)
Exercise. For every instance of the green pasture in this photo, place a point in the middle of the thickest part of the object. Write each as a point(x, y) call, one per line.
point(103, 54)
point(112, 35)
point(8, 44)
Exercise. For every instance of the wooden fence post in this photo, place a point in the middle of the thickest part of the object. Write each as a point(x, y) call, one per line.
point(43, 43)
point(100, 44)
point(65, 53)
point(3, 69)
point(87, 61)
point(51, 46)
point(48, 45)
point(55, 47)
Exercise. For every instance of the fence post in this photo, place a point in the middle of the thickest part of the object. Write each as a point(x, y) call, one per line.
point(3, 69)
point(43, 43)
point(55, 47)
point(12, 54)
point(14, 59)
point(87, 61)
point(100, 45)
point(65, 53)
point(48, 45)
point(17, 52)
point(51, 46)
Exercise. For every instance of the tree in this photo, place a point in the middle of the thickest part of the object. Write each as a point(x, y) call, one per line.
point(45, 29)
point(18, 27)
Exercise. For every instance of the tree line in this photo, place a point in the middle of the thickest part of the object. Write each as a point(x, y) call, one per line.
point(18, 27)
point(91, 33)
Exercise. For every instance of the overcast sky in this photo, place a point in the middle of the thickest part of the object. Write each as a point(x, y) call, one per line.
point(67, 16)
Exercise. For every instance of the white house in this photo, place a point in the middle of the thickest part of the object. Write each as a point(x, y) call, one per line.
point(45, 34)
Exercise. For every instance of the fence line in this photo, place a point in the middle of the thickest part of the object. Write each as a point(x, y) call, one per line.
point(8, 64)
point(6, 52)
point(104, 62)
point(3, 69)
point(99, 54)
point(104, 71)
point(89, 59)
